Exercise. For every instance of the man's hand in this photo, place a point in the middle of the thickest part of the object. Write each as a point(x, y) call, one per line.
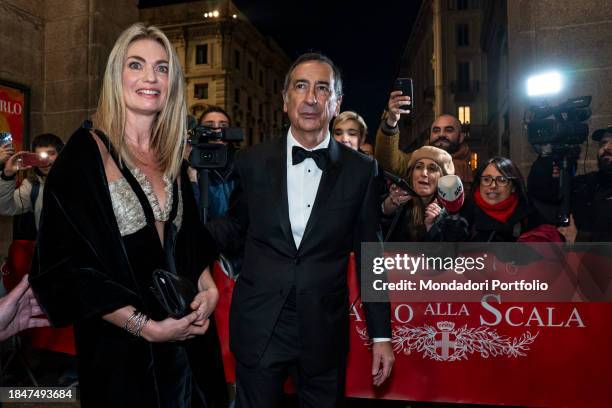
point(394, 108)
point(17, 311)
point(382, 362)
point(13, 164)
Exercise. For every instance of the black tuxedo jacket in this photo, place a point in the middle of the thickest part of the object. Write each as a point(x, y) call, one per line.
point(345, 213)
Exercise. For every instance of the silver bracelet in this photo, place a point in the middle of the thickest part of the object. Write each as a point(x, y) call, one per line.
point(134, 315)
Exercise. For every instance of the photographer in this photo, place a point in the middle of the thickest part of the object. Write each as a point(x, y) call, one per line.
point(27, 198)
point(591, 193)
point(221, 181)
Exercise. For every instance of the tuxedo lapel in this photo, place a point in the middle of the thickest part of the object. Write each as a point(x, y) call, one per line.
point(328, 181)
point(276, 168)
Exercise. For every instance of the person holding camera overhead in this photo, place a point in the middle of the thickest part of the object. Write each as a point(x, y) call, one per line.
point(130, 226)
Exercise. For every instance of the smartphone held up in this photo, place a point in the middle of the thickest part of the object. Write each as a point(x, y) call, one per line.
point(33, 160)
point(405, 85)
point(6, 139)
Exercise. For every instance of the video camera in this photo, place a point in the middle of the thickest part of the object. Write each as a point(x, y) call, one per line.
point(565, 131)
point(208, 155)
point(560, 137)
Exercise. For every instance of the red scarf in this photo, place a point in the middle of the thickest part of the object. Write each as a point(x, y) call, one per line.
point(500, 211)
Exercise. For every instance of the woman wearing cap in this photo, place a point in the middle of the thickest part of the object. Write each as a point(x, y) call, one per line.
point(413, 217)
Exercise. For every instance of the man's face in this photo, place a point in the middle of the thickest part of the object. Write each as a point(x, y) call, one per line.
point(217, 121)
point(604, 154)
point(310, 101)
point(50, 154)
point(368, 149)
point(446, 133)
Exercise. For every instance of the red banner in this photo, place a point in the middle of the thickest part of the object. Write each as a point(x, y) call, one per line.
point(491, 352)
point(13, 113)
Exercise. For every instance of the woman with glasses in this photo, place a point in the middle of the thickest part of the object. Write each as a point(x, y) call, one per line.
point(499, 209)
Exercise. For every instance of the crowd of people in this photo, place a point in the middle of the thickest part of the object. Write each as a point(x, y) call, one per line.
point(121, 203)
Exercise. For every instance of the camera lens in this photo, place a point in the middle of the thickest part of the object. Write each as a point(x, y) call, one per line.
point(207, 156)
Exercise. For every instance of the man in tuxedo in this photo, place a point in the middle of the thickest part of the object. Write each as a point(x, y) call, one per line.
point(303, 202)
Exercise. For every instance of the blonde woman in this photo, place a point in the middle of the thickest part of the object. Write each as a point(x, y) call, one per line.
point(118, 206)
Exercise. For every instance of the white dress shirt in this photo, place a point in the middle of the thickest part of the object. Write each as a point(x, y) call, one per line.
point(302, 185)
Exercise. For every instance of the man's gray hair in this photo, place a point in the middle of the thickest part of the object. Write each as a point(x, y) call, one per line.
point(315, 56)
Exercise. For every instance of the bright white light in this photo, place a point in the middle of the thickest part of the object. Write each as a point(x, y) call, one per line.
point(205, 15)
point(215, 13)
point(234, 16)
point(43, 155)
point(544, 84)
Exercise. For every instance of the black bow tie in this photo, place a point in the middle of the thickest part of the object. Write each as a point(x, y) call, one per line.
point(320, 156)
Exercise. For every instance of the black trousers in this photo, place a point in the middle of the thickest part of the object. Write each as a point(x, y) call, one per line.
point(262, 386)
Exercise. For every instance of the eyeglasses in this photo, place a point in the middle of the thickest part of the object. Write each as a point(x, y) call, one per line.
point(501, 181)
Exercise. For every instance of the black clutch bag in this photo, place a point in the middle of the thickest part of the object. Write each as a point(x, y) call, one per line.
point(174, 293)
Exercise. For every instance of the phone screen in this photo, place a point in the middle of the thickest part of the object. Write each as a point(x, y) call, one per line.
point(6, 139)
point(405, 85)
point(33, 159)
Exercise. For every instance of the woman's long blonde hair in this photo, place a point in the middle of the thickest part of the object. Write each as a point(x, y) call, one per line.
point(170, 126)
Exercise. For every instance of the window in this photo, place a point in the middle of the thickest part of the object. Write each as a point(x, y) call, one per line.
point(463, 77)
point(202, 54)
point(250, 69)
point(462, 4)
point(200, 91)
point(464, 114)
point(463, 35)
point(236, 59)
point(237, 96)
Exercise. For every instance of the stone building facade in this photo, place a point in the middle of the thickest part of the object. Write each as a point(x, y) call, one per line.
point(572, 37)
point(227, 63)
point(445, 58)
point(58, 49)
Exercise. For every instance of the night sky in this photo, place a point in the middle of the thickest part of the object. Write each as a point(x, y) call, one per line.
point(365, 41)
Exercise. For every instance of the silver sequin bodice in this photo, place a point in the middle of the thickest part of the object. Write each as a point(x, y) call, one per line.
point(128, 211)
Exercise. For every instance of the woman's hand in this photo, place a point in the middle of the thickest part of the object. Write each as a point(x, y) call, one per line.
point(207, 297)
point(171, 329)
point(395, 199)
point(569, 232)
point(432, 212)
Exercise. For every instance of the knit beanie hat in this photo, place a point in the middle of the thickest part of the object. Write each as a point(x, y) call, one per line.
point(441, 157)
